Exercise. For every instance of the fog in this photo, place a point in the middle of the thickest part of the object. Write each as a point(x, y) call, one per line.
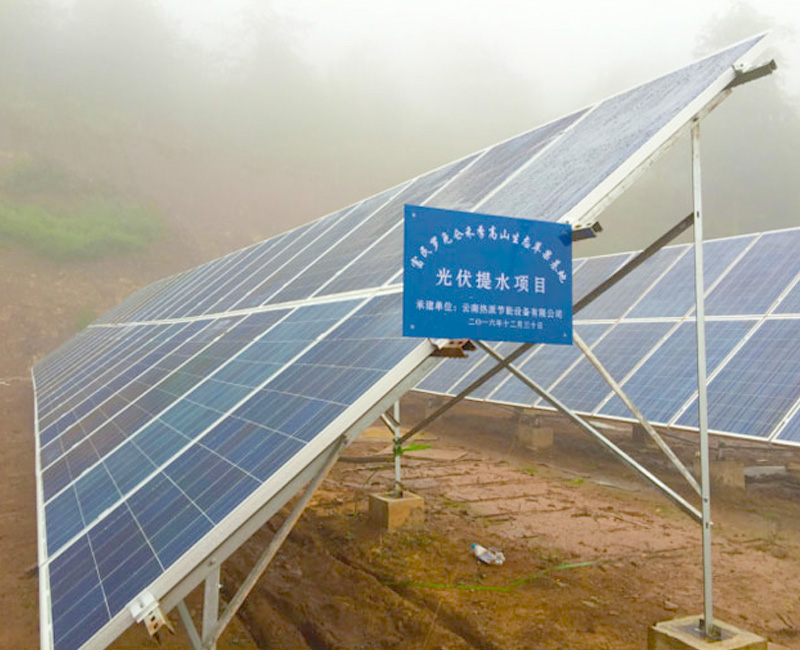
point(249, 117)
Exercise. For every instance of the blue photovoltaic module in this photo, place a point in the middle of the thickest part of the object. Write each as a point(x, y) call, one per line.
point(187, 409)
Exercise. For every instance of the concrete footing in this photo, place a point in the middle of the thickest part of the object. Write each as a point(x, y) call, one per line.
point(387, 512)
point(725, 473)
point(531, 434)
point(640, 437)
point(430, 406)
point(685, 634)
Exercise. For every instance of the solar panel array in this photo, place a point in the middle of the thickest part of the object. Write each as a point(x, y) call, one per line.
point(193, 402)
point(643, 331)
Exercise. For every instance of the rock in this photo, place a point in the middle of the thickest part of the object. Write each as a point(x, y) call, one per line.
point(670, 606)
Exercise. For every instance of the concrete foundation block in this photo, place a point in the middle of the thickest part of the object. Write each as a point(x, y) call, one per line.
point(728, 473)
point(431, 405)
point(684, 634)
point(387, 512)
point(640, 436)
point(530, 434)
point(725, 473)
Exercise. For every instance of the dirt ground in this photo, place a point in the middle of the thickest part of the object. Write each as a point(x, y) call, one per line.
point(593, 555)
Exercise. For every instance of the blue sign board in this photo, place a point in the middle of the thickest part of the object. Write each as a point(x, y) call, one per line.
point(489, 278)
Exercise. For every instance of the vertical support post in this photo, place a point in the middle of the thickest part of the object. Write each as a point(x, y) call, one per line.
point(392, 421)
point(398, 479)
point(709, 629)
point(210, 605)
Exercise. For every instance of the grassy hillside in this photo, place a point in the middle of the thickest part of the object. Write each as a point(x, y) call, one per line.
point(60, 216)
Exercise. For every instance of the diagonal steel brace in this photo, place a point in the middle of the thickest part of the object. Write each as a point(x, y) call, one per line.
point(587, 352)
point(676, 498)
point(642, 257)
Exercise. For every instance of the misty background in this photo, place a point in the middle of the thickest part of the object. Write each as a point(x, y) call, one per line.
point(239, 120)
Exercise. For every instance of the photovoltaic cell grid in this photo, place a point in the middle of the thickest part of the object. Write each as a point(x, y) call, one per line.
point(544, 174)
point(545, 366)
point(643, 332)
point(144, 490)
point(185, 405)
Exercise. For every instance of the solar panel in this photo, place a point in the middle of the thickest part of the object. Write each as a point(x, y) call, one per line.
point(499, 163)
point(448, 372)
point(124, 381)
point(284, 251)
point(197, 403)
point(209, 287)
point(319, 261)
point(356, 249)
point(758, 386)
point(190, 284)
point(141, 297)
point(673, 295)
point(669, 377)
point(757, 279)
point(483, 364)
point(651, 349)
point(545, 367)
point(218, 442)
point(618, 299)
point(260, 256)
point(595, 270)
point(619, 351)
point(790, 433)
point(567, 176)
point(281, 249)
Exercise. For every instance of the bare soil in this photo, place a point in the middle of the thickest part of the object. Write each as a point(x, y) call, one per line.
point(594, 556)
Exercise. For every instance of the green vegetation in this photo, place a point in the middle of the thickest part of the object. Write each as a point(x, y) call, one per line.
point(414, 447)
point(98, 228)
point(62, 217)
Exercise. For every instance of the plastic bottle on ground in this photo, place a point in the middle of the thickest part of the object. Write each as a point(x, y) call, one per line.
point(488, 555)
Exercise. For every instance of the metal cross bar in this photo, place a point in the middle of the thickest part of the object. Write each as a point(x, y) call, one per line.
point(676, 498)
point(643, 256)
point(683, 225)
point(269, 553)
point(211, 605)
point(751, 74)
point(587, 352)
point(522, 349)
point(188, 624)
